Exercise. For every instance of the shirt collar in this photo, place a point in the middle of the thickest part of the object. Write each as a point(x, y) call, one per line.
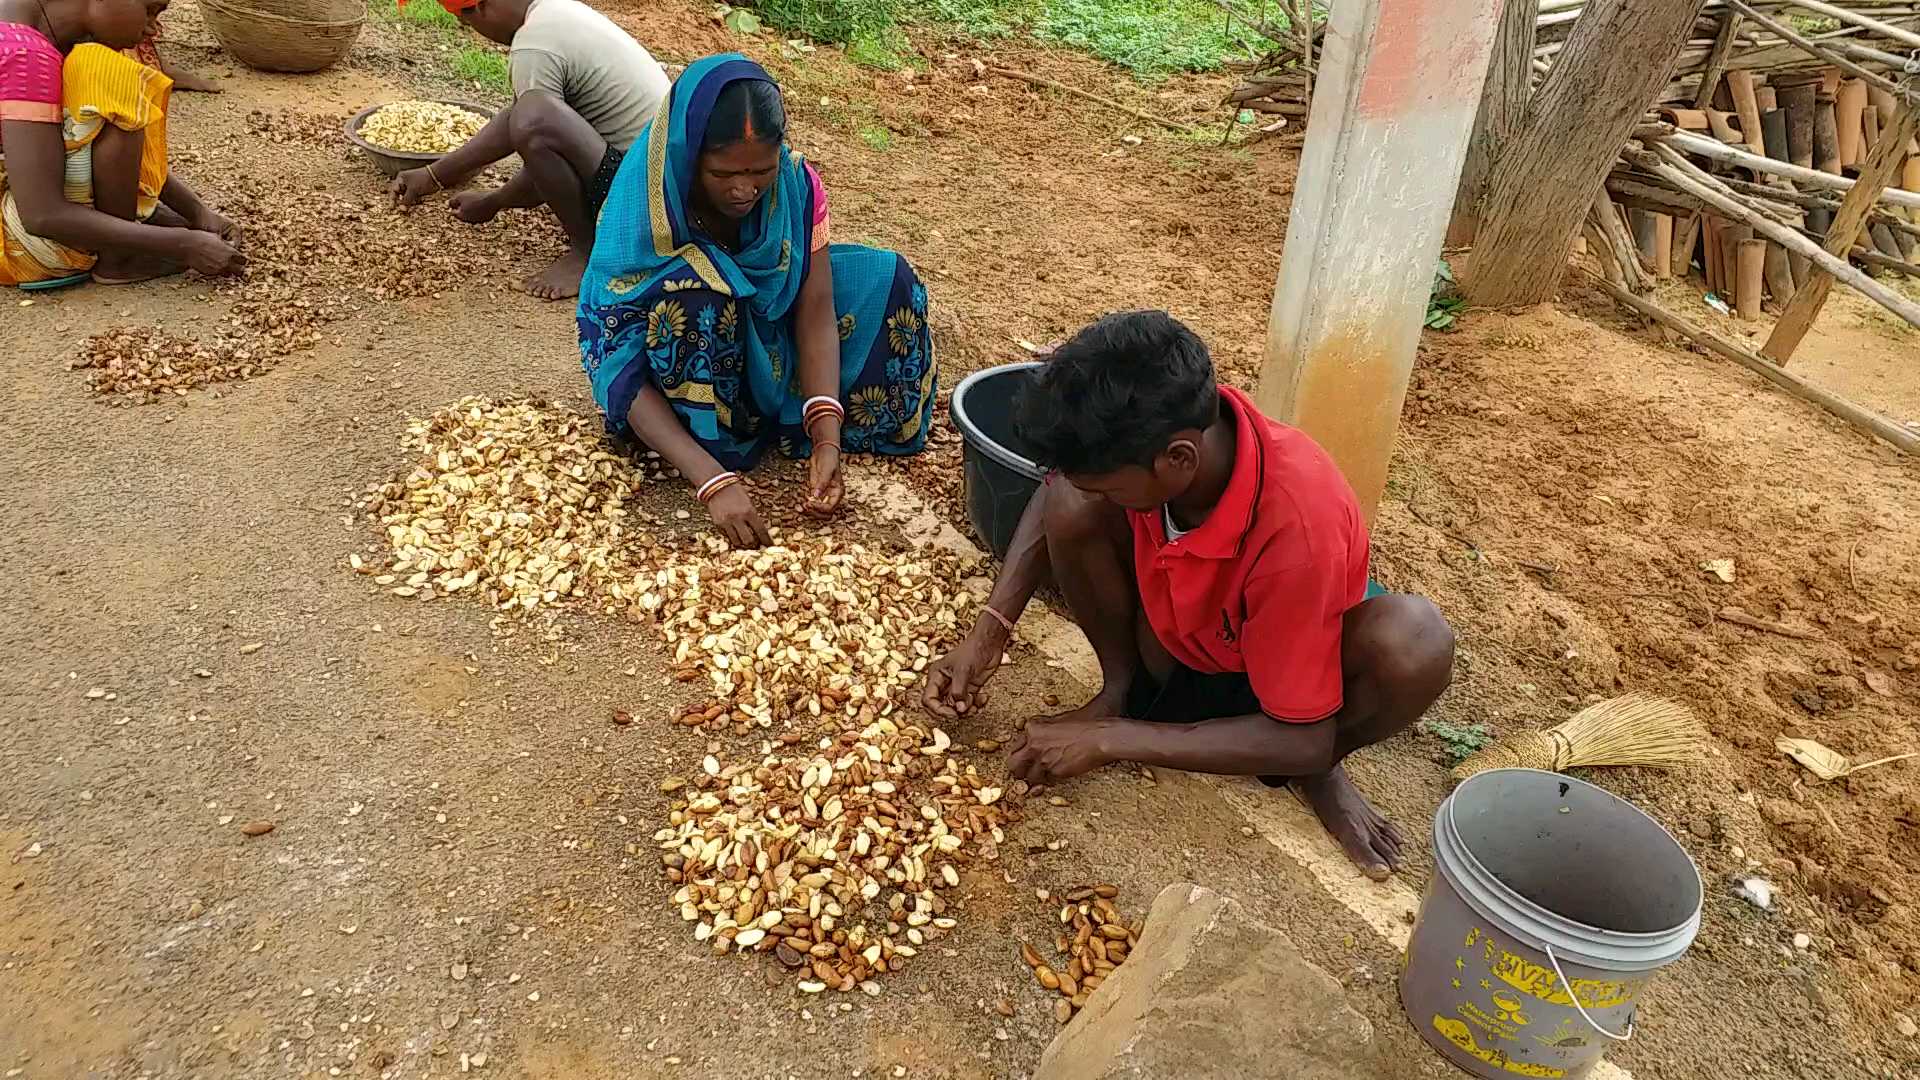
point(1224, 534)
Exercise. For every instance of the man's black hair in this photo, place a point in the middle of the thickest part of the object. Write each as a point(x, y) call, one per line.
point(746, 108)
point(1117, 394)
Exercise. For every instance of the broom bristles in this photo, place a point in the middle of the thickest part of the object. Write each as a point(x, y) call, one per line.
point(1632, 729)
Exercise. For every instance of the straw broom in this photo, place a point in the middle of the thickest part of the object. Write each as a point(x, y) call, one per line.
point(1633, 729)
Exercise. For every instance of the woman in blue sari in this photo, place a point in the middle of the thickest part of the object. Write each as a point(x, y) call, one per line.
point(716, 321)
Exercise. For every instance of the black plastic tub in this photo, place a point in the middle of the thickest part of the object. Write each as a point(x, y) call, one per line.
point(1000, 478)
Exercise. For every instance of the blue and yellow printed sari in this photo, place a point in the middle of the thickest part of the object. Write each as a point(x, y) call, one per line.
point(712, 329)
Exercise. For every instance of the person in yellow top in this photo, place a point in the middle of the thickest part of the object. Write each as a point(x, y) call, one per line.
point(84, 181)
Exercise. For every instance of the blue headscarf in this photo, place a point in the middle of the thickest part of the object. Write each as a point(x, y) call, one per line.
point(648, 208)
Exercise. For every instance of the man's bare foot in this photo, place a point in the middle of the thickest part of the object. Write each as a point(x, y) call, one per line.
point(559, 281)
point(130, 269)
point(474, 207)
point(1370, 840)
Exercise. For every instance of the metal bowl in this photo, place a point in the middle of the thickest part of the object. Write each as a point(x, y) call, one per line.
point(393, 162)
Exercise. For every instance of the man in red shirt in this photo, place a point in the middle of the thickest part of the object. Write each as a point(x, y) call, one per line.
point(1217, 562)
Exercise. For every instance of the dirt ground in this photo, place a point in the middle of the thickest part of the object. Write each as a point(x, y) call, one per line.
point(443, 796)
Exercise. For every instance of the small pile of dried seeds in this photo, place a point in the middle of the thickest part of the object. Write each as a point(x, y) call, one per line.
point(1095, 939)
point(833, 859)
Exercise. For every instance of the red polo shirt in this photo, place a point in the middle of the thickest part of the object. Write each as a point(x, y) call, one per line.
point(1262, 584)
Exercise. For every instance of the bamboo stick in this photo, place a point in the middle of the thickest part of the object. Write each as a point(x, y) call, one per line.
point(1039, 80)
point(1681, 172)
point(1880, 168)
point(1663, 245)
point(1834, 11)
point(1723, 43)
point(1717, 151)
point(1860, 419)
point(1817, 51)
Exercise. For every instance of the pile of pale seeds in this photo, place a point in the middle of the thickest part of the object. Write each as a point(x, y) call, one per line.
point(516, 501)
point(421, 127)
point(834, 859)
point(810, 625)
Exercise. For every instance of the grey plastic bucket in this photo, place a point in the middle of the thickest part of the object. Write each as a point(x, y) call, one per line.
point(1543, 883)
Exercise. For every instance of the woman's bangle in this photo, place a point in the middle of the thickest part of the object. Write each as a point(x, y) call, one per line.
point(824, 401)
point(705, 492)
point(435, 177)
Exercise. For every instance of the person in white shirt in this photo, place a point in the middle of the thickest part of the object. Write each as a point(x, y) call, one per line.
point(583, 90)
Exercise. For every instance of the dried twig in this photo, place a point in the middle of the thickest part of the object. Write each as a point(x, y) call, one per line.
point(1051, 84)
point(1738, 617)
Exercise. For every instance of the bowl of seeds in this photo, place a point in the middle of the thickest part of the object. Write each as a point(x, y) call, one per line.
point(403, 135)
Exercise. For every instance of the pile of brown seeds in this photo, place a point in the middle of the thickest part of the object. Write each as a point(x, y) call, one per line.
point(811, 625)
point(1095, 939)
point(833, 859)
point(137, 365)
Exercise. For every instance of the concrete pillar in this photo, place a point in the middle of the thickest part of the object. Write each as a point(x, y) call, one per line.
point(1393, 108)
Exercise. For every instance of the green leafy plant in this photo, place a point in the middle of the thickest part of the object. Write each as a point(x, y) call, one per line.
point(1461, 741)
point(876, 137)
point(1444, 303)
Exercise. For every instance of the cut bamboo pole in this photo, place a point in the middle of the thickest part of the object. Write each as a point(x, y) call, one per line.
point(1715, 280)
point(1714, 150)
point(1847, 109)
point(1870, 125)
point(1779, 275)
point(1859, 418)
point(1773, 125)
point(1812, 48)
point(1767, 98)
point(1826, 134)
point(1663, 245)
point(1878, 170)
point(1685, 175)
point(1732, 235)
point(1798, 101)
point(1752, 271)
point(1684, 248)
point(1740, 85)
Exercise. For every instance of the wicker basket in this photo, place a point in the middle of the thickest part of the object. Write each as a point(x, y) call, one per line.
point(285, 35)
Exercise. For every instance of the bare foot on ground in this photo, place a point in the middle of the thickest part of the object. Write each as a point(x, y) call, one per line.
point(196, 83)
point(132, 269)
point(1370, 840)
point(559, 281)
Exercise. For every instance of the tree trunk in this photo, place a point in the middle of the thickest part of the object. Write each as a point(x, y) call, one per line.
point(1503, 108)
point(1620, 55)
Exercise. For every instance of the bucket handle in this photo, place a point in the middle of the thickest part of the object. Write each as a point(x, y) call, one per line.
point(1575, 998)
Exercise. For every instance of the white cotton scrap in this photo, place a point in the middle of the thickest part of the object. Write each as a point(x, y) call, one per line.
point(1754, 890)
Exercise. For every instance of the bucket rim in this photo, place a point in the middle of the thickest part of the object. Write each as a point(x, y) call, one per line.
point(1579, 942)
point(978, 439)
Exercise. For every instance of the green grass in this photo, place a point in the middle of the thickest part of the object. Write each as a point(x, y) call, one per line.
point(469, 58)
point(876, 138)
point(484, 66)
point(1151, 38)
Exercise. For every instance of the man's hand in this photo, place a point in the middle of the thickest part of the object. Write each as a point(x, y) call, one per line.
point(210, 255)
point(411, 186)
point(1059, 748)
point(955, 683)
point(826, 481)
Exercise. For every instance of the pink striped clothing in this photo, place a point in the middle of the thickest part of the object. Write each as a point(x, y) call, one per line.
point(822, 227)
point(29, 75)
